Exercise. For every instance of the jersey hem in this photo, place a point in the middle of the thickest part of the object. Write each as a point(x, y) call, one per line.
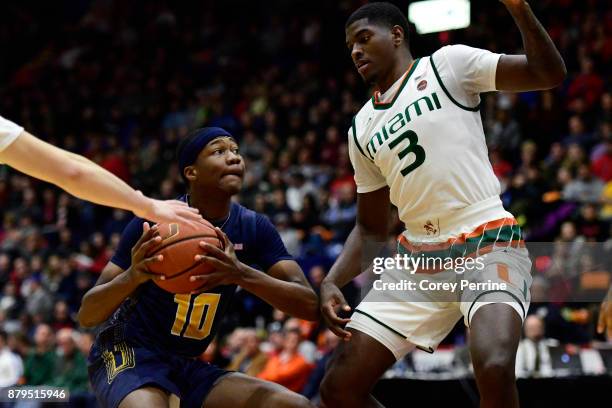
point(461, 221)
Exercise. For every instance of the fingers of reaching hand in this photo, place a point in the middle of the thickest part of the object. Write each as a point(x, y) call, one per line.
point(143, 269)
point(335, 322)
point(212, 251)
point(212, 261)
point(178, 203)
point(144, 248)
point(339, 331)
point(181, 207)
point(605, 319)
point(147, 233)
point(223, 237)
point(183, 212)
point(140, 272)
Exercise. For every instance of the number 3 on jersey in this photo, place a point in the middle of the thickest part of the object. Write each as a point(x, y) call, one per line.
point(413, 147)
point(203, 305)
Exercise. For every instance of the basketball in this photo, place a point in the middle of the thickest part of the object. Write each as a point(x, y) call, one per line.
point(180, 244)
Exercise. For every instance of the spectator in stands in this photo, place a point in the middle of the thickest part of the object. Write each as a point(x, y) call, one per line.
point(289, 235)
point(39, 302)
point(587, 85)
point(250, 360)
point(602, 165)
point(11, 303)
point(589, 225)
point(61, 316)
point(340, 216)
point(574, 157)
point(578, 134)
point(329, 342)
point(40, 362)
point(505, 133)
point(214, 355)
point(585, 188)
point(306, 348)
point(11, 366)
point(70, 364)
point(298, 188)
point(533, 355)
point(288, 368)
point(85, 341)
point(316, 274)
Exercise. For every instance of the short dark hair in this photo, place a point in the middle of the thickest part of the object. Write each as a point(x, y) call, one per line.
point(381, 13)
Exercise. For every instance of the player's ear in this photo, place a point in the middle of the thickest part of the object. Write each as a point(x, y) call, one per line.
point(190, 173)
point(397, 35)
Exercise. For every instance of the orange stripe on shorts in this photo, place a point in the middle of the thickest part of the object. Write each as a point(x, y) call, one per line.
point(502, 272)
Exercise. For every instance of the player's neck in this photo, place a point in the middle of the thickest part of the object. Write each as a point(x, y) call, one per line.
point(395, 73)
point(212, 207)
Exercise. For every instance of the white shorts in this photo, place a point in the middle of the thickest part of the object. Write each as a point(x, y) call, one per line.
point(411, 315)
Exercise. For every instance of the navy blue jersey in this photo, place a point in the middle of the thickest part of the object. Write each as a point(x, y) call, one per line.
point(184, 324)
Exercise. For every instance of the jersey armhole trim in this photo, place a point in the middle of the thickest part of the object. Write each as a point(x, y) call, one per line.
point(453, 100)
point(354, 128)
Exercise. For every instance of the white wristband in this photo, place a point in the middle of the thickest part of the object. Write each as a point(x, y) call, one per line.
point(8, 132)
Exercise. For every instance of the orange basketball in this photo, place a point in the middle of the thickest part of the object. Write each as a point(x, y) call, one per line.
point(180, 244)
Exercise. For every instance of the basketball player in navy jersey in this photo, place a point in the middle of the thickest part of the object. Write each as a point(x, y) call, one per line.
point(148, 346)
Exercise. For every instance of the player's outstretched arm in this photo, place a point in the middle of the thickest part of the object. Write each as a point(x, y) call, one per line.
point(372, 227)
point(83, 178)
point(115, 284)
point(541, 67)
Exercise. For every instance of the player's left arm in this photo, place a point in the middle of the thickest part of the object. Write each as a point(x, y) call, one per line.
point(541, 67)
point(284, 286)
point(81, 177)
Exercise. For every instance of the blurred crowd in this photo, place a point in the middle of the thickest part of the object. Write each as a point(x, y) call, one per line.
point(122, 82)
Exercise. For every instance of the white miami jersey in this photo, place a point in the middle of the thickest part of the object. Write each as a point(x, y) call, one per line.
point(424, 139)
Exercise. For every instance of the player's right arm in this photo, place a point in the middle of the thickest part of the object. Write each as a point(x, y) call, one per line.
point(371, 229)
point(542, 66)
point(82, 177)
point(116, 284)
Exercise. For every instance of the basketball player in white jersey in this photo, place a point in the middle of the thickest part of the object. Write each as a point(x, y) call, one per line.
point(82, 177)
point(419, 144)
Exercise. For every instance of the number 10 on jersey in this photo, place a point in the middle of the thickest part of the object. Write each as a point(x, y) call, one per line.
point(203, 309)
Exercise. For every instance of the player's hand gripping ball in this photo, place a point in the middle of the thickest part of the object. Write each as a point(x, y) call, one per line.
point(180, 243)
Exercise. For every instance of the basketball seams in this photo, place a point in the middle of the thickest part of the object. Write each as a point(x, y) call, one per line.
point(186, 239)
point(181, 273)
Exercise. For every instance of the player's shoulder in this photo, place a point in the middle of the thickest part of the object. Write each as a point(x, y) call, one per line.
point(455, 50)
point(457, 56)
point(248, 216)
point(135, 224)
point(362, 117)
